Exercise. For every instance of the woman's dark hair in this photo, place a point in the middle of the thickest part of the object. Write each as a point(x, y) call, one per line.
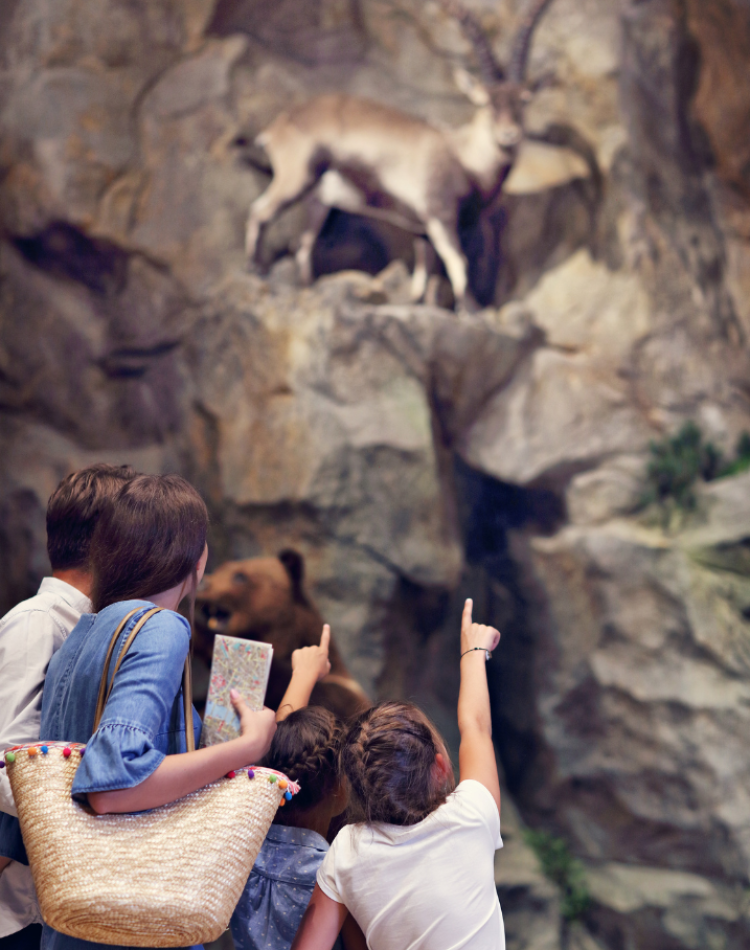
point(305, 747)
point(147, 540)
point(73, 510)
point(388, 756)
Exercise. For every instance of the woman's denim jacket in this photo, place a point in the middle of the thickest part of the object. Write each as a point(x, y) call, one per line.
point(143, 720)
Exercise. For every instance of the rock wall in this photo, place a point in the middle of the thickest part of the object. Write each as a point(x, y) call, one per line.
point(414, 455)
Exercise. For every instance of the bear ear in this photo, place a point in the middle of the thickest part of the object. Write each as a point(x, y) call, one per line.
point(295, 568)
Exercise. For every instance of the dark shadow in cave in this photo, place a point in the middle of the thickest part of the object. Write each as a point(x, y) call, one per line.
point(488, 510)
point(351, 242)
point(356, 242)
point(422, 634)
point(63, 251)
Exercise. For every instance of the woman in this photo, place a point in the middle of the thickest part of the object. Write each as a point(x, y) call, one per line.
point(149, 549)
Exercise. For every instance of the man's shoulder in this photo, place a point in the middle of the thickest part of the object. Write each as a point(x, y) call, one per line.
point(57, 602)
point(41, 602)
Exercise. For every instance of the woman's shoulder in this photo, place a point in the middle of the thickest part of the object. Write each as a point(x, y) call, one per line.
point(114, 613)
point(162, 626)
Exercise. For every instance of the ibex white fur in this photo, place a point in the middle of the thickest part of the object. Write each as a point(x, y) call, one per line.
point(387, 164)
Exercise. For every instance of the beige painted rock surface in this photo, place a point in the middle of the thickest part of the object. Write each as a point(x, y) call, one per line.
point(414, 455)
point(642, 656)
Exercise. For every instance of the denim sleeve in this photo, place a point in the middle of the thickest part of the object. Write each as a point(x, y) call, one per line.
point(11, 842)
point(122, 752)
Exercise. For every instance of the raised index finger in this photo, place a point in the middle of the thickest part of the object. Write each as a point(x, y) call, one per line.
point(466, 616)
point(325, 637)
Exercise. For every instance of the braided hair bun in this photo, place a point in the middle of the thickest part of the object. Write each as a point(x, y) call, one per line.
point(388, 756)
point(305, 747)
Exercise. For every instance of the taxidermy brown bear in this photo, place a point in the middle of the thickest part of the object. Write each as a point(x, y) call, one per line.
point(263, 598)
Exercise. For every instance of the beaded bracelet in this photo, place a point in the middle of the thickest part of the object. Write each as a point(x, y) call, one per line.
point(487, 654)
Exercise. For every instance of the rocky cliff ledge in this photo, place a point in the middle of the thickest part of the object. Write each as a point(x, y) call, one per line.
point(411, 454)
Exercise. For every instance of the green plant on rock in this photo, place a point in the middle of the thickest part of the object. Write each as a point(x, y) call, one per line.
point(677, 463)
point(741, 462)
point(559, 865)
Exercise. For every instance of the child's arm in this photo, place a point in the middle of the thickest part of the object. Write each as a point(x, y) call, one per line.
point(476, 754)
point(321, 924)
point(352, 936)
point(309, 664)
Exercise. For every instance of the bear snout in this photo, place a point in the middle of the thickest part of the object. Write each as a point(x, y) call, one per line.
point(214, 616)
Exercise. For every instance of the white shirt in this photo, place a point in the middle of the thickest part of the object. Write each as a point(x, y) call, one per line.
point(29, 634)
point(429, 886)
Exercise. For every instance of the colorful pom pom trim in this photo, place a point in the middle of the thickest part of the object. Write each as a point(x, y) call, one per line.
point(35, 748)
point(284, 783)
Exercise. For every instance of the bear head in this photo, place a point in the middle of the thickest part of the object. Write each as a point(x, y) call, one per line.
point(264, 599)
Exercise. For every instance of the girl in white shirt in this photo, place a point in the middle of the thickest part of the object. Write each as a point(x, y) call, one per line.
point(416, 869)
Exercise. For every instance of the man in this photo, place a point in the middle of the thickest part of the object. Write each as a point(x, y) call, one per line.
point(29, 634)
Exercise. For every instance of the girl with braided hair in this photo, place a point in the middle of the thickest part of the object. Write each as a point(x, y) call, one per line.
point(305, 747)
point(415, 869)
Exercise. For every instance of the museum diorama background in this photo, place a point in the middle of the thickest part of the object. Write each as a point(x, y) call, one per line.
point(412, 455)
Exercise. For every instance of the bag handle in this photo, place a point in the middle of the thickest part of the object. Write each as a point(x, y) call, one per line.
point(104, 693)
point(100, 700)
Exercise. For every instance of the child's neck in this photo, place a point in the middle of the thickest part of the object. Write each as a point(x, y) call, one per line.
point(318, 819)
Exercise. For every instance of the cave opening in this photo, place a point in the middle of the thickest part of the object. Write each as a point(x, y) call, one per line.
point(490, 511)
point(66, 252)
point(422, 647)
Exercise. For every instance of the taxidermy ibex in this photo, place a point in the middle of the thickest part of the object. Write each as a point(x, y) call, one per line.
point(385, 163)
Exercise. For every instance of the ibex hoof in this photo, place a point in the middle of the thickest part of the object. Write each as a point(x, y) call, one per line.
point(305, 276)
point(467, 306)
point(253, 266)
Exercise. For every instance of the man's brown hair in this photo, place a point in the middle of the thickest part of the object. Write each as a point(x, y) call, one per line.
point(73, 509)
point(148, 539)
point(388, 756)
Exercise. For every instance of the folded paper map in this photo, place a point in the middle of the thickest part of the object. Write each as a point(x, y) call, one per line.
point(237, 664)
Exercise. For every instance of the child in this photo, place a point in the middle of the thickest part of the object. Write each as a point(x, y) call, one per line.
point(305, 747)
point(416, 870)
point(148, 549)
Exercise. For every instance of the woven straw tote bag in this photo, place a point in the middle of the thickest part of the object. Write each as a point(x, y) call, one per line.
point(169, 877)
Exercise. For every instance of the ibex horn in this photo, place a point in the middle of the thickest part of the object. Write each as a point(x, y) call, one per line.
point(522, 42)
point(489, 68)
